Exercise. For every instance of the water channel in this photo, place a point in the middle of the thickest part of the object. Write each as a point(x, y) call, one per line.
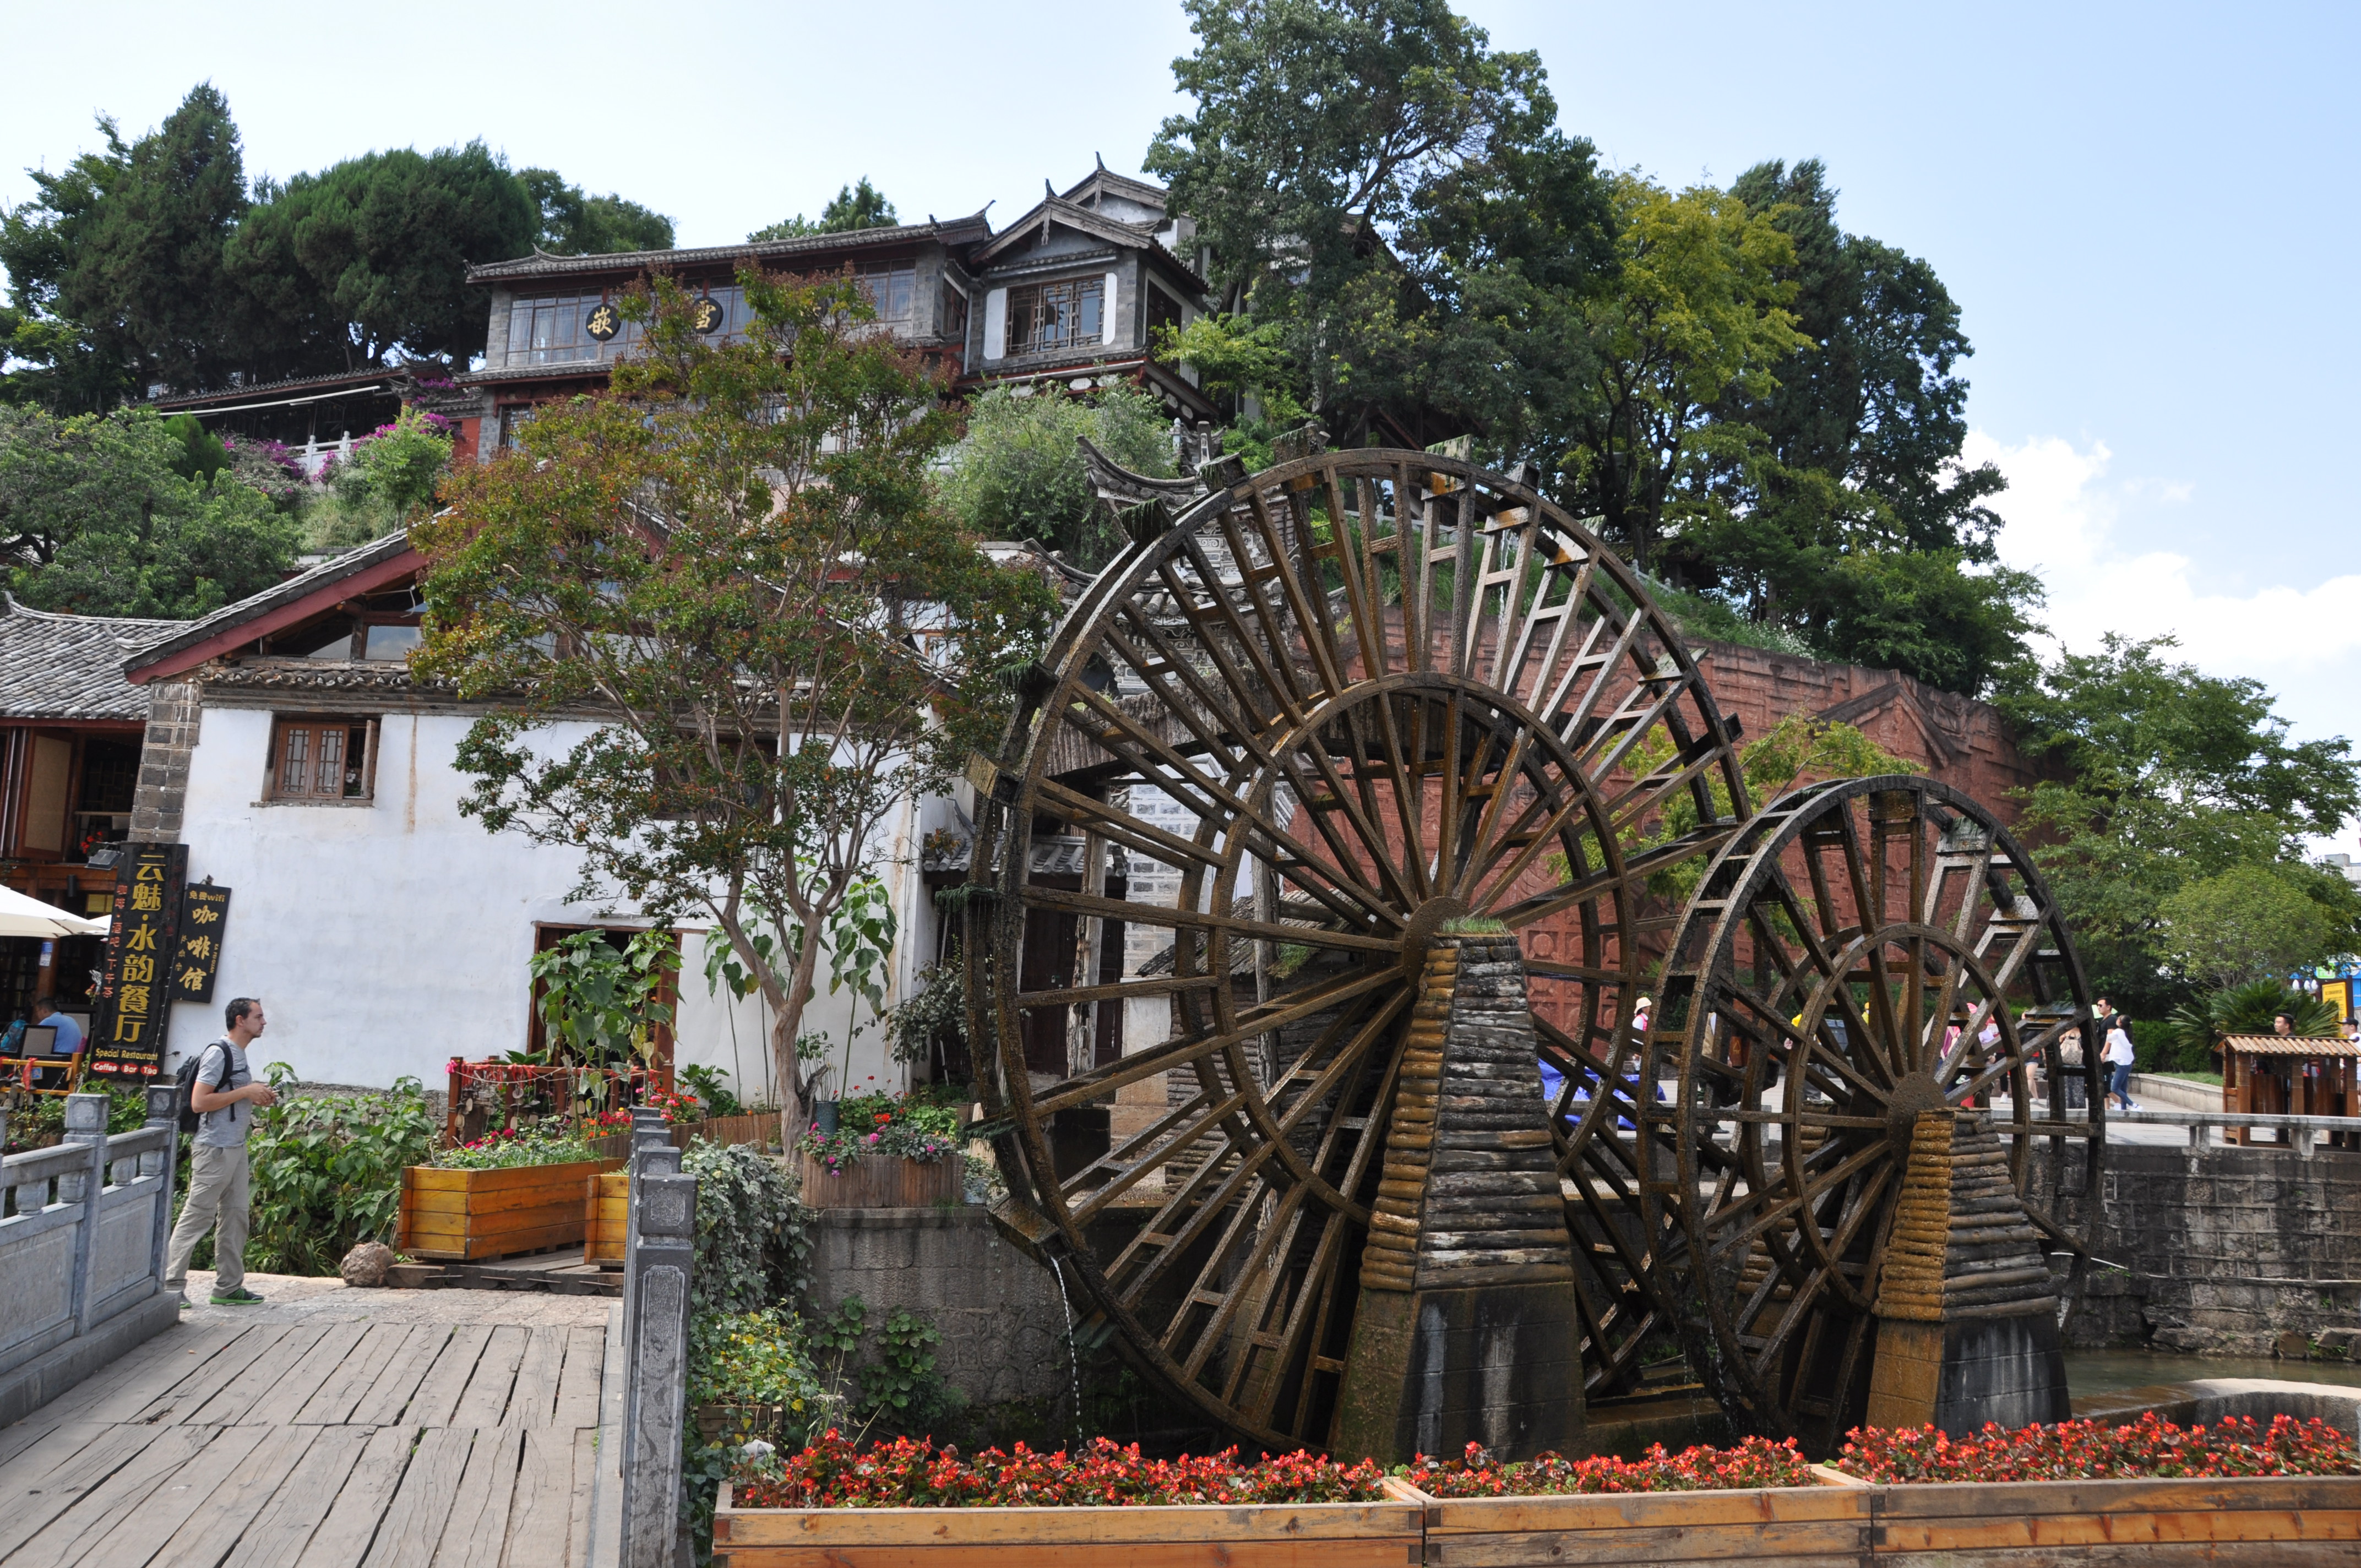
point(2106, 1371)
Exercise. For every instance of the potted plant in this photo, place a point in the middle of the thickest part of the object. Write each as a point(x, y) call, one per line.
point(887, 1151)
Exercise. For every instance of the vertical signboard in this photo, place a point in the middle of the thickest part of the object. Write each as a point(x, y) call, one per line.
point(204, 916)
point(135, 996)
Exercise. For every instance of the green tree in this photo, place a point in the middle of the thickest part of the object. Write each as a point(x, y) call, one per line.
point(2169, 776)
point(1697, 311)
point(733, 562)
point(345, 267)
point(2249, 922)
point(114, 265)
point(859, 206)
point(1019, 474)
point(97, 516)
point(575, 224)
point(1355, 165)
point(390, 479)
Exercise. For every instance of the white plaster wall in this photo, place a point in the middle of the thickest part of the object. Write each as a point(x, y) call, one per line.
point(386, 938)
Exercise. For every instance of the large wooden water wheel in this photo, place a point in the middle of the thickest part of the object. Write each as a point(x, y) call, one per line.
point(1288, 735)
point(1860, 952)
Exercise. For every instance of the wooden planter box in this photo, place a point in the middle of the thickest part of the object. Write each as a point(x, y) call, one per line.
point(1937, 1525)
point(459, 1216)
point(1303, 1535)
point(606, 1215)
point(875, 1183)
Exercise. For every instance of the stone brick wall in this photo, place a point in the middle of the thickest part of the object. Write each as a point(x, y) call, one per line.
point(2202, 1233)
point(173, 714)
point(1003, 1325)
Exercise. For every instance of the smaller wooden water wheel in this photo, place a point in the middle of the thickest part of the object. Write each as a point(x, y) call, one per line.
point(1858, 953)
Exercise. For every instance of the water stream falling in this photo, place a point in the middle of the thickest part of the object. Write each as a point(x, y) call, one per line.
point(1073, 1352)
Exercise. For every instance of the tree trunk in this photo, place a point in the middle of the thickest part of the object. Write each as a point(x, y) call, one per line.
point(786, 1024)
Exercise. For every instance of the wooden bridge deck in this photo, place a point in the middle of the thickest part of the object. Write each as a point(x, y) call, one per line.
point(328, 1428)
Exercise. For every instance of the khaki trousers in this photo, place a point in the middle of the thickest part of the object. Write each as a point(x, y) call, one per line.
point(219, 1191)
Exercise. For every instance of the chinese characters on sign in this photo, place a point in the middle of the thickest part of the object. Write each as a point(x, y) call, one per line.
point(205, 914)
point(135, 997)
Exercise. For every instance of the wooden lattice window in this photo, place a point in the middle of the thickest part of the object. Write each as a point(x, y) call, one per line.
point(1045, 317)
point(321, 760)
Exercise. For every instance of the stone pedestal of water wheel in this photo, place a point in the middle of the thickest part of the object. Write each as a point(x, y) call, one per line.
point(1466, 1329)
point(1966, 1315)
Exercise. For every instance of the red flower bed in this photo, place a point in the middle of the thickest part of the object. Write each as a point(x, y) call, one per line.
point(1755, 1462)
point(906, 1472)
point(2079, 1451)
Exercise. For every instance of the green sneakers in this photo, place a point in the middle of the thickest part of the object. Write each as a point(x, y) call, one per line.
point(241, 1297)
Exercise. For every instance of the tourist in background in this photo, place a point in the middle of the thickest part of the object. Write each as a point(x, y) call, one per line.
point(224, 1097)
point(2119, 1057)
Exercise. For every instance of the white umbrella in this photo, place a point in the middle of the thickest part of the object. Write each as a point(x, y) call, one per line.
point(23, 917)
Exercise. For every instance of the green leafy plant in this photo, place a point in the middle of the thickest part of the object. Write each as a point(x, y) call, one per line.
point(598, 1003)
point(507, 1148)
point(760, 1357)
point(754, 1242)
point(934, 1007)
point(709, 1085)
point(327, 1171)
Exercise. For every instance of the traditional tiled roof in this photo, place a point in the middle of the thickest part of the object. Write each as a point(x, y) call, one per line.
point(1083, 220)
point(953, 231)
point(2292, 1045)
point(327, 574)
point(71, 666)
point(387, 378)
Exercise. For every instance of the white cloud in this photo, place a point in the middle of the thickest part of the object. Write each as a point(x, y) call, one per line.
point(2080, 533)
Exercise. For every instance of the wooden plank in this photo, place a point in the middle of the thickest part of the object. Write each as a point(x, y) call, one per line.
point(578, 1381)
point(349, 1525)
point(1846, 1540)
point(413, 1520)
point(304, 1376)
point(233, 1504)
point(2118, 1529)
point(825, 1527)
point(2011, 1498)
point(261, 1376)
point(215, 1371)
point(53, 1525)
point(486, 1401)
point(1617, 1511)
point(439, 1392)
point(73, 1448)
point(541, 1510)
point(15, 1440)
point(477, 1531)
point(1385, 1552)
point(352, 1376)
point(534, 1399)
point(122, 1393)
point(390, 1393)
point(278, 1534)
point(158, 1516)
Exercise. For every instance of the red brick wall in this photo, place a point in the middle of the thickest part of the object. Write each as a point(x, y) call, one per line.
point(1959, 741)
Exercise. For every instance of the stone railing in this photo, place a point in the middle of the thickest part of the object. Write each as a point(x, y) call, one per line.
point(659, 1258)
point(2303, 1132)
point(81, 1249)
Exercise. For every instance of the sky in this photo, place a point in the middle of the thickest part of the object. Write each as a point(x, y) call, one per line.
point(2142, 210)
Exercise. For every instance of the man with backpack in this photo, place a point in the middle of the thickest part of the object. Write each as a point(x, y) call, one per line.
point(219, 1094)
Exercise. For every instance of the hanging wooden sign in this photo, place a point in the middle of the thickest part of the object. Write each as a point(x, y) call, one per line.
point(204, 916)
point(134, 1004)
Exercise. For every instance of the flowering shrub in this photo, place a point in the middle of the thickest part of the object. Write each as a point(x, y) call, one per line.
point(505, 1148)
point(675, 1107)
point(837, 1473)
point(2076, 1450)
point(1755, 1462)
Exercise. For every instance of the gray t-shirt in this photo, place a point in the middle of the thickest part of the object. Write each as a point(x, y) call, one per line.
point(225, 1126)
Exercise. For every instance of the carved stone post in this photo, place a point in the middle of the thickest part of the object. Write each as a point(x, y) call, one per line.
point(662, 1254)
point(1467, 1330)
point(652, 1155)
point(1966, 1315)
point(87, 1125)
